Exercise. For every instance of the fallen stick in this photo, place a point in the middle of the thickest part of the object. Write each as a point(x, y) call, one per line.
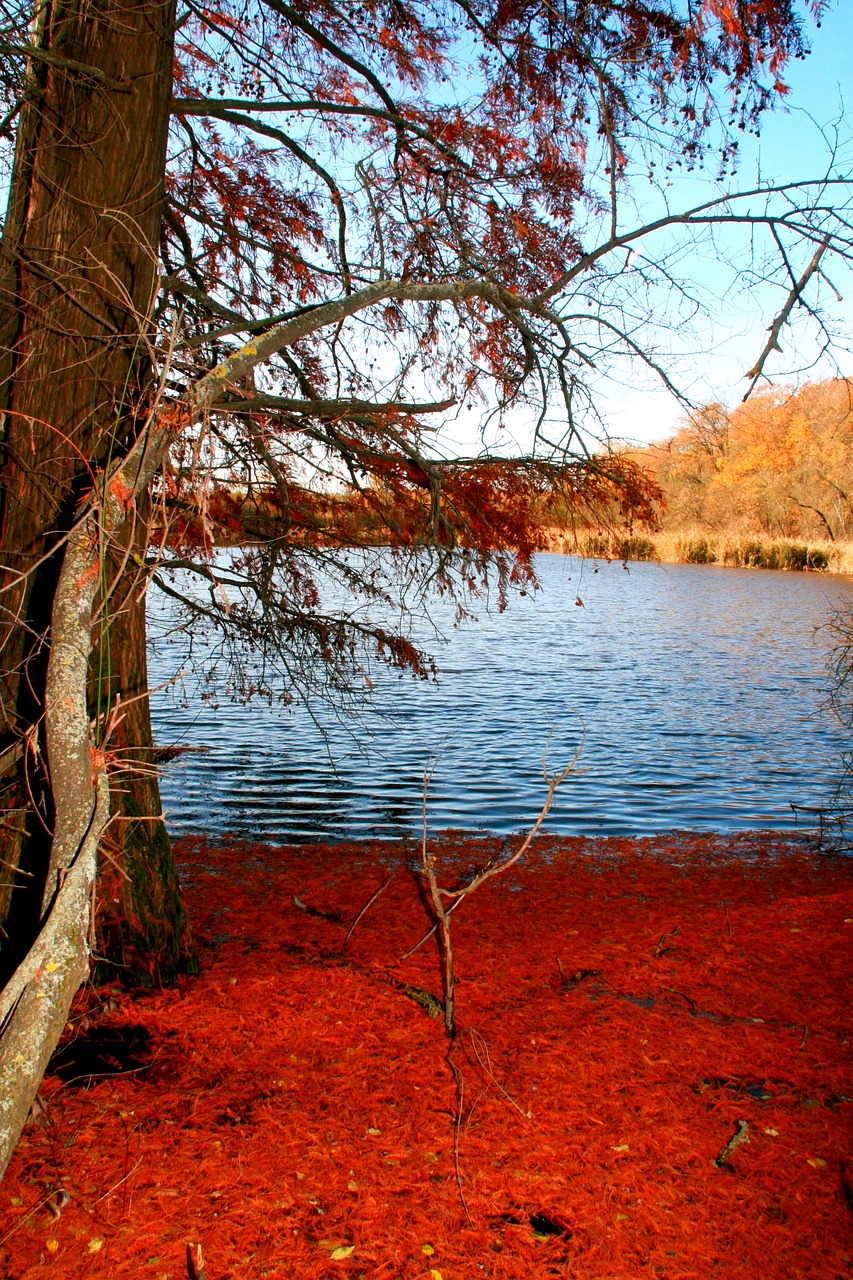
point(367, 907)
point(733, 1143)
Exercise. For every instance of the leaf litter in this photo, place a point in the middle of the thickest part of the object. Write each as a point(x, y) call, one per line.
point(293, 1111)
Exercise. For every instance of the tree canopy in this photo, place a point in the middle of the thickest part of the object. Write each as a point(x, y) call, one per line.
point(780, 465)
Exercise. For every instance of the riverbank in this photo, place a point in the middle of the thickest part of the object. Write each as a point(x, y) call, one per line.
point(698, 546)
point(626, 1010)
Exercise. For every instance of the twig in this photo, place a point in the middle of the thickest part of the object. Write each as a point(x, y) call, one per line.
point(487, 1069)
point(733, 1143)
point(367, 907)
point(430, 932)
point(660, 949)
point(443, 923)
point(772, 343)
point(437, 894)
point(195, 1262)
point(314, 911)
point(553, 783)
point(459, 1080)
point(25, 1219)
point(691, 1004)
point(120, 1182)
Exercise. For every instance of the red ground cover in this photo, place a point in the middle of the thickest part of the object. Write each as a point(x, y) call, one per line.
point(294, 1111)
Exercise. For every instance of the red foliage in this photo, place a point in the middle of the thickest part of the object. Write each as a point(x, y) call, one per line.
point(318, 149)
point(623, 1007)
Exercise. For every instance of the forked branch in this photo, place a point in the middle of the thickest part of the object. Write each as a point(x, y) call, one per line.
point(439, 896)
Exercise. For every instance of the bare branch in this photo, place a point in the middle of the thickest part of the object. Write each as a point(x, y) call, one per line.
point(793, 298)
point(256, 403)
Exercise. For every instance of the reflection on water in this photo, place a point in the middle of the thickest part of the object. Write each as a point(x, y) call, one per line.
point(699, 691)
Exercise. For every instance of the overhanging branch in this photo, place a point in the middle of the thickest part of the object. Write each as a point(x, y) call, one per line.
point(776, 327)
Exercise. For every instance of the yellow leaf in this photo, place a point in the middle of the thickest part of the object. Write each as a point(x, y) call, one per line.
point(434, 1275)
point(343, 1252)
point(428, 1250)
point(374, 1133)
point(352, 1186)
point(772, 1133)
point(816, 1162)
point(52, 1246)
point(623, 1147)
point(51, 966)
point(95, 1246)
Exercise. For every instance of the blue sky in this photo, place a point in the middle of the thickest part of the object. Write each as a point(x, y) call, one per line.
point(709, 360)
point(790, 147)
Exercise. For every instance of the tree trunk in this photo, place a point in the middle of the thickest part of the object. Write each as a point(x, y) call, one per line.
point(142, 933)
point(78, 273)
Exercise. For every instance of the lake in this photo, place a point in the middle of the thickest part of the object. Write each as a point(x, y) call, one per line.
point(696, 695)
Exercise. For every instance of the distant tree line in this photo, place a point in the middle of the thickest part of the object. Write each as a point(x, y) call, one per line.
point(778, 466)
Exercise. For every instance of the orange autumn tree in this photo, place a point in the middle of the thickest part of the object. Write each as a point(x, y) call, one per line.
point(253, 252)
point(780, 465)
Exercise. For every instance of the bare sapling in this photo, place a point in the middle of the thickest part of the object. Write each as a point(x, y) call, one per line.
point(445, 901)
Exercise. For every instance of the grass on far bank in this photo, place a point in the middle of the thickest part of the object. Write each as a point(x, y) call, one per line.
point(698, 546)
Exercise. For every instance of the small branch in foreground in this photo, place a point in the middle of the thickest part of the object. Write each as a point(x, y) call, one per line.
point(367, 907)
point(443, 922)
point(438, 895)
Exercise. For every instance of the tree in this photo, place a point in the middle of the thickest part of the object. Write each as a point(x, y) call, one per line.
point(79, 279)
point(780, 466)
point(365, 217)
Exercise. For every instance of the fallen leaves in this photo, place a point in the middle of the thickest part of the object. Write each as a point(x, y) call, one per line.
point(315, 1056)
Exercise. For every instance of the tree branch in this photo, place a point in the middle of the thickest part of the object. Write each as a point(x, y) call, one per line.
point(793, 298)
point(326, 408)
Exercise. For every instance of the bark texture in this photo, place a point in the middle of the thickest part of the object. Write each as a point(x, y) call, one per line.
point(78, 273)
point(143, 936)
point(36, 1001)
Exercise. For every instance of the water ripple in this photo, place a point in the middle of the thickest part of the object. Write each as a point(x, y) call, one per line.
point(700, 692)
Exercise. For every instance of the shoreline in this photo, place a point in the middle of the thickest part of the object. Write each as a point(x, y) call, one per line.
point(694, 546)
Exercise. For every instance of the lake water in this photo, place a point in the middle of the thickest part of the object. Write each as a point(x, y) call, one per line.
point(696, 692)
